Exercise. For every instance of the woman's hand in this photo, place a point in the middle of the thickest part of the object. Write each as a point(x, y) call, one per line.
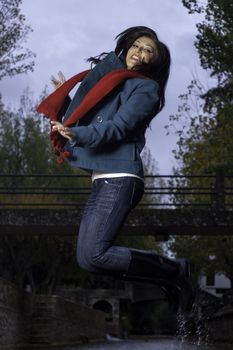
point(58, 82)
point(63, 130)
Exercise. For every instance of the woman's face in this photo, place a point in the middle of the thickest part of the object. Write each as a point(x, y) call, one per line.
point(143, 50)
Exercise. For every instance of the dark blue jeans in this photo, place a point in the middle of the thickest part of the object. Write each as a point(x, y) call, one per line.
point(105, 212)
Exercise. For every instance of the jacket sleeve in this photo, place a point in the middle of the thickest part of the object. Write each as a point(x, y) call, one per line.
point(140, 107)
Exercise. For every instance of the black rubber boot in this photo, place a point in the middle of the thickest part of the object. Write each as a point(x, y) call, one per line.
point(173, 276)
point(185, 285)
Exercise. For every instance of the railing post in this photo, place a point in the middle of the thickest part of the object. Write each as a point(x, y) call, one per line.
point(220, 190)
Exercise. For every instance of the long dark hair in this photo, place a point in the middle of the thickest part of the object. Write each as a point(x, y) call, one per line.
point(158, 69)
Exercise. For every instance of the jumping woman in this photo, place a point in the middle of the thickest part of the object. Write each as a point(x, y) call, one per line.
point(102, 130)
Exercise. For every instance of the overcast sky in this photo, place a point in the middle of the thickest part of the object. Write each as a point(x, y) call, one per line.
point(67, 32)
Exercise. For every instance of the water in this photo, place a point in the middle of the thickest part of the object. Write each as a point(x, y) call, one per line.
point(153, 344)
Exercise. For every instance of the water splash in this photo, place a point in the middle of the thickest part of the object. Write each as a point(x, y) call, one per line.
point(193, 328)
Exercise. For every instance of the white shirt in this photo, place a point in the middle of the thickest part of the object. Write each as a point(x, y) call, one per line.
point(100, 175)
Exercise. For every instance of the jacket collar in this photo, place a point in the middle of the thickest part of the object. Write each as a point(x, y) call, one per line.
point(108, 64)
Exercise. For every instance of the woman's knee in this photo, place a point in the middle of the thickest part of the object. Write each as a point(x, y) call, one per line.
point(86, 260)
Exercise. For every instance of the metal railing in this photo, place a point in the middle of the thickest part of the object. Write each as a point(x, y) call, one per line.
point(161, 191)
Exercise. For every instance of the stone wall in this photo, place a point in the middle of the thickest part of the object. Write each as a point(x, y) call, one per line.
point(106, 300)
point(56, 320)
point(221, 325)
point(15, 310)
point(45, 319)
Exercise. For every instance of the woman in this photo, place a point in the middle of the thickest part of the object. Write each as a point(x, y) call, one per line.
point(107, 142)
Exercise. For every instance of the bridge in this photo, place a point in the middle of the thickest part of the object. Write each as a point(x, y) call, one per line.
point(172, 205)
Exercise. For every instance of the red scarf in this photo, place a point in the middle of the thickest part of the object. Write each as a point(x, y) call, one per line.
point(51, 106)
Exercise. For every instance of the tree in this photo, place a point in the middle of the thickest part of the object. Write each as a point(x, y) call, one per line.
point(209, 255)
point(13, 32)
point(214, 40)
point(205, 141)
point(204, 125)
point(25, 149)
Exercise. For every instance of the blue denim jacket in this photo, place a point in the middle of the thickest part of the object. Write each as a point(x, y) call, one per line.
point(111, 136)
